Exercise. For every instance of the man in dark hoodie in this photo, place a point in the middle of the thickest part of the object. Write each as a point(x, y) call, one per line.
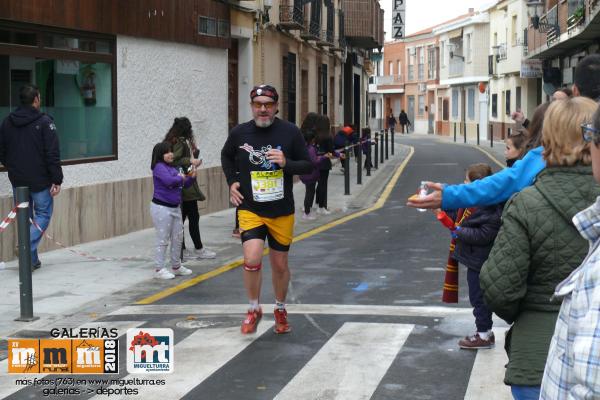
point(29, 150)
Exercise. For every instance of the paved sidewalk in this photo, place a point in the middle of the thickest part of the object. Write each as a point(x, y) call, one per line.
point(70, 290)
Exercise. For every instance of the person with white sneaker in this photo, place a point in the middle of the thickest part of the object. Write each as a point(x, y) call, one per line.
point(165, 211)
point(185, 156)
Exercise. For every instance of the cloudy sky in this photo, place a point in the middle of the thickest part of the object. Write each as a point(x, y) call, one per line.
point(421, 14)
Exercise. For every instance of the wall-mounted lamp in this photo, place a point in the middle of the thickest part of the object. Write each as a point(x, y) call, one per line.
point(496, 53)
point(532, 6)
point(267, 5)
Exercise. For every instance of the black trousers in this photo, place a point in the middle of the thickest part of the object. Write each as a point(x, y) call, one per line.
point(189, 209)
point(309, 197)
point(322, 188)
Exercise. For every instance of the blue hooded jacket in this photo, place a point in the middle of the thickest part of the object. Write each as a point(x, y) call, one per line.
point(495, 188)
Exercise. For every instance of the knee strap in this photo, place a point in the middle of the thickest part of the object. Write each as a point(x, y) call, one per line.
point(254, 268)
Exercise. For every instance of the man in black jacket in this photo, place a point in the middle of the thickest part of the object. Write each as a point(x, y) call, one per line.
point(29, 150)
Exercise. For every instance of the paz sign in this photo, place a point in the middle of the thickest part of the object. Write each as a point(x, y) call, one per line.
point(398, 16)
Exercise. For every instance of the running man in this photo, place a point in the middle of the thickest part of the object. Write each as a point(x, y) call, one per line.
point(259, 160)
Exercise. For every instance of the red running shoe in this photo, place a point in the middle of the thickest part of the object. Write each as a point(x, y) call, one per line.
point(281, 323)
point(251, 322)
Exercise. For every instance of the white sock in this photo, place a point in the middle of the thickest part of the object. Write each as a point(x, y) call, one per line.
point(254, 305)
point(484, 335)
point(280, 305)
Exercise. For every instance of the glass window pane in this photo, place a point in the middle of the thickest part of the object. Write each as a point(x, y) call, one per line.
point(72, 43)
point(79, 98)
point(16, 37)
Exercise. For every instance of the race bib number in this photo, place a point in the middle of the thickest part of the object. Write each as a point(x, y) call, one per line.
point(267, 185)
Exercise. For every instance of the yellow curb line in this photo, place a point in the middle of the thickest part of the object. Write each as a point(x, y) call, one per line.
point(228, 267)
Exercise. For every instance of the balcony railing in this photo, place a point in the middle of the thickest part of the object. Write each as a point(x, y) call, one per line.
point(389, 80)
point(456, 68)
point(339, 44)
point(312, 30)
point(576, 19)
point(502, 52)
point(326, 38)
point(549, 25)
point(291, 17)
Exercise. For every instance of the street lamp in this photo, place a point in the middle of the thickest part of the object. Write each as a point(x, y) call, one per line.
point(532, 6)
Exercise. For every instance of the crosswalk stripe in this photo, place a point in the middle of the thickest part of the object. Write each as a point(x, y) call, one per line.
point(326, 309)
point(7, 381)
point(196, 358)
point(351, 364)
point(487, 375)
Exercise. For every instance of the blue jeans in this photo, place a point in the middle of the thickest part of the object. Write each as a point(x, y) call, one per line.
point(41, 205)
point(525, 392)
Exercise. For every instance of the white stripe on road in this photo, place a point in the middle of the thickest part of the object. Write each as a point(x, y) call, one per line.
point(326, 309)
point(196, 358)
point(487, 375)
point(350, 365)
point(8, 381)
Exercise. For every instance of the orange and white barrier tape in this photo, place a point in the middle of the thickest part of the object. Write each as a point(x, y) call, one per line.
point(82, 253)
point(12, 215)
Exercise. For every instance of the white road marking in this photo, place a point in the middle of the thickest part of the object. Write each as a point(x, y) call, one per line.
point(350, 365)
point(324, 309)
point(197, 357)
point(487, 375)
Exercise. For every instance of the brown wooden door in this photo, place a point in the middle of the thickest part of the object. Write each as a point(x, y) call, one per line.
point(233, 83)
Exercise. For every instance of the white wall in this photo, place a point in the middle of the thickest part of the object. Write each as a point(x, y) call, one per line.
point(156, 82)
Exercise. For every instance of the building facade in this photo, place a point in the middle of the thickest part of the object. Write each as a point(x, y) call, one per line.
point(508, 90)
point(464, 74)
point(559, 34)
point(114, 75)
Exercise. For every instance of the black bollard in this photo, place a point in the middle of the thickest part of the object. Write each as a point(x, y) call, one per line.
point(347, 171)
point(477, 134)
point(359, 165)
point(376, 150)
point(393, 134)
point(386, 145)
point(491, 135)
point(368, 155)
point(25, 286)
point(381, 148)
point(455, 132)
point(464, 132)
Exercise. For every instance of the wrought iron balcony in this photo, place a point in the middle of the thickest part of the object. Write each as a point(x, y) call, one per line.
point(312, 30)
point(326, 38)
point(291, 18)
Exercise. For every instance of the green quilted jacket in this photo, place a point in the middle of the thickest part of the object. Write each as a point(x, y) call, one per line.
point(537, 247)
point(182, 158)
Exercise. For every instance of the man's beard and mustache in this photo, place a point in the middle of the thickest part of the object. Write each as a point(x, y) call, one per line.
point(261, 123)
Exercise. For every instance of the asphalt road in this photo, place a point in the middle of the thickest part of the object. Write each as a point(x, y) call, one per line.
point(365, 310)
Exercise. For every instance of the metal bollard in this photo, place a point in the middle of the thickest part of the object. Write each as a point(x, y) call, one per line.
point(455, 132)
point(368, 156)
point(477, 134)
point(376, 150)
point(386, 145)
point(491, 135)
point(347, 172)
point(464, 132)
point(25, 287)
point(509, 132)
point(393, 134)
point(381, 148)
point(359, 165)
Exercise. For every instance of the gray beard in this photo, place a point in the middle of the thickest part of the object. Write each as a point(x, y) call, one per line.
point(264, 124)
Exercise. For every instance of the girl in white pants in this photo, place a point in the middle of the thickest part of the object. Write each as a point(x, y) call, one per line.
point(165, 210)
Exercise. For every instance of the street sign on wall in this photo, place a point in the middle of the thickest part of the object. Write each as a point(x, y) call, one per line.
point(398, 18)
point(531, 68)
